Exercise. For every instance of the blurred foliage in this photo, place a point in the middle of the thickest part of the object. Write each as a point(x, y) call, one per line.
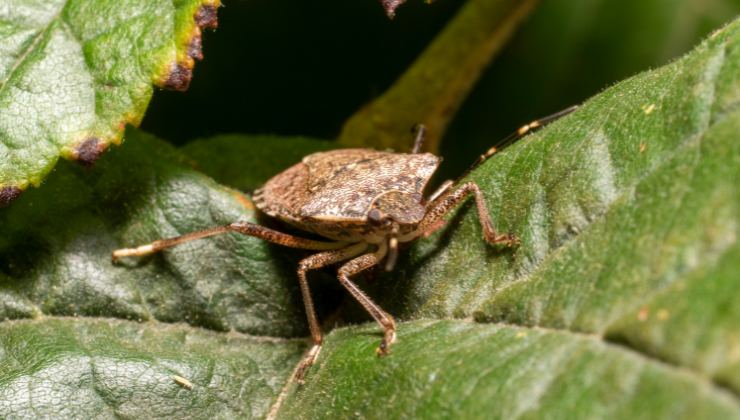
point(311, 72)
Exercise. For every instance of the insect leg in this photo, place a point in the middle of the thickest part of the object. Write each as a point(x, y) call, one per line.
point(449, 201)
point(314, 262)
point(246, 228)
point(441, 190)
point(355, 266)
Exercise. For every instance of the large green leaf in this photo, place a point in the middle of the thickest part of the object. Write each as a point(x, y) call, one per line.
point(74, 73)
point(57, 242)
point(628, 215)
point(457, 369)
point(76, 368)
point(621, 301)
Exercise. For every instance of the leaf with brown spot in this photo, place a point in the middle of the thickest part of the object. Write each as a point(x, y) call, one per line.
point(74, 72)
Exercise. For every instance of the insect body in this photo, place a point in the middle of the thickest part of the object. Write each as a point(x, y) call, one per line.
point(364, 202)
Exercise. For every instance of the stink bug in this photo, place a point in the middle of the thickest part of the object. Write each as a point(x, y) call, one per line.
point(365, 202)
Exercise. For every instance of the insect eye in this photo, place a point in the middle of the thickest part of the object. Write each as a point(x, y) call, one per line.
point(375, 217)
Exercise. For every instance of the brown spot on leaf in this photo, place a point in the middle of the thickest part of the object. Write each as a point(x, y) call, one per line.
point(179, 78)
point(207, 16)
point(87, 152)
point(8, 194)
point(390, 6)
point(195, 48)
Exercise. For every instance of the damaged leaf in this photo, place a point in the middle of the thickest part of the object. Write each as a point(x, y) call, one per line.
point(73, 73)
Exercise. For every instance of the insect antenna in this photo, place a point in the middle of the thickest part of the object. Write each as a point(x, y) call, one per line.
point(516, 135)
point(390, 261)
point(419, 130)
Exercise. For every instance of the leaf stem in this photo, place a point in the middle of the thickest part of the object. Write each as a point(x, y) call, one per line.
point(434, 87)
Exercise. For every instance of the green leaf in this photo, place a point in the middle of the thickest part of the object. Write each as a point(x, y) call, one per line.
point(73, 73)
point(76, 368)
point(628, 213)
point(456, 369)
point(57, 241)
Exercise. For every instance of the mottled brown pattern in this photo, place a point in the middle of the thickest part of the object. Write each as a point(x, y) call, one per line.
point(284, 194)
point(363, 175)
point(330, 193)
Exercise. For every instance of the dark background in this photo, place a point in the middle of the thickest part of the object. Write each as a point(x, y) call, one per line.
point(294, 67)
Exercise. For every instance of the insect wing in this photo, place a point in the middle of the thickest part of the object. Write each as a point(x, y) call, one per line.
point(344, 184)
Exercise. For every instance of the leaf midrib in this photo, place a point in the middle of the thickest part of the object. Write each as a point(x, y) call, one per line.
point(31, 47)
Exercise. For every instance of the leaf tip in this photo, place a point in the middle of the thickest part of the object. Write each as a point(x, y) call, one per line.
point(8, 194)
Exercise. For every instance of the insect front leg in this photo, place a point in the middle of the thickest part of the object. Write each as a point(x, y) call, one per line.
point(355, 266)
point(314, 262)
point(450, 201)
point(246, 228)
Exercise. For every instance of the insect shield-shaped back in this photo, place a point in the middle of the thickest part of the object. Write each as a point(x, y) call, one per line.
point(331, 193)
point(344, 184)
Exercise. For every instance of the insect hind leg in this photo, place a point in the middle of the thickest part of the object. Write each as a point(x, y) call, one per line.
point(355, 266)
point(516, 135)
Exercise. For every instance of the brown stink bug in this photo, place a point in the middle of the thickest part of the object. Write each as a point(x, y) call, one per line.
point(365, 202)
